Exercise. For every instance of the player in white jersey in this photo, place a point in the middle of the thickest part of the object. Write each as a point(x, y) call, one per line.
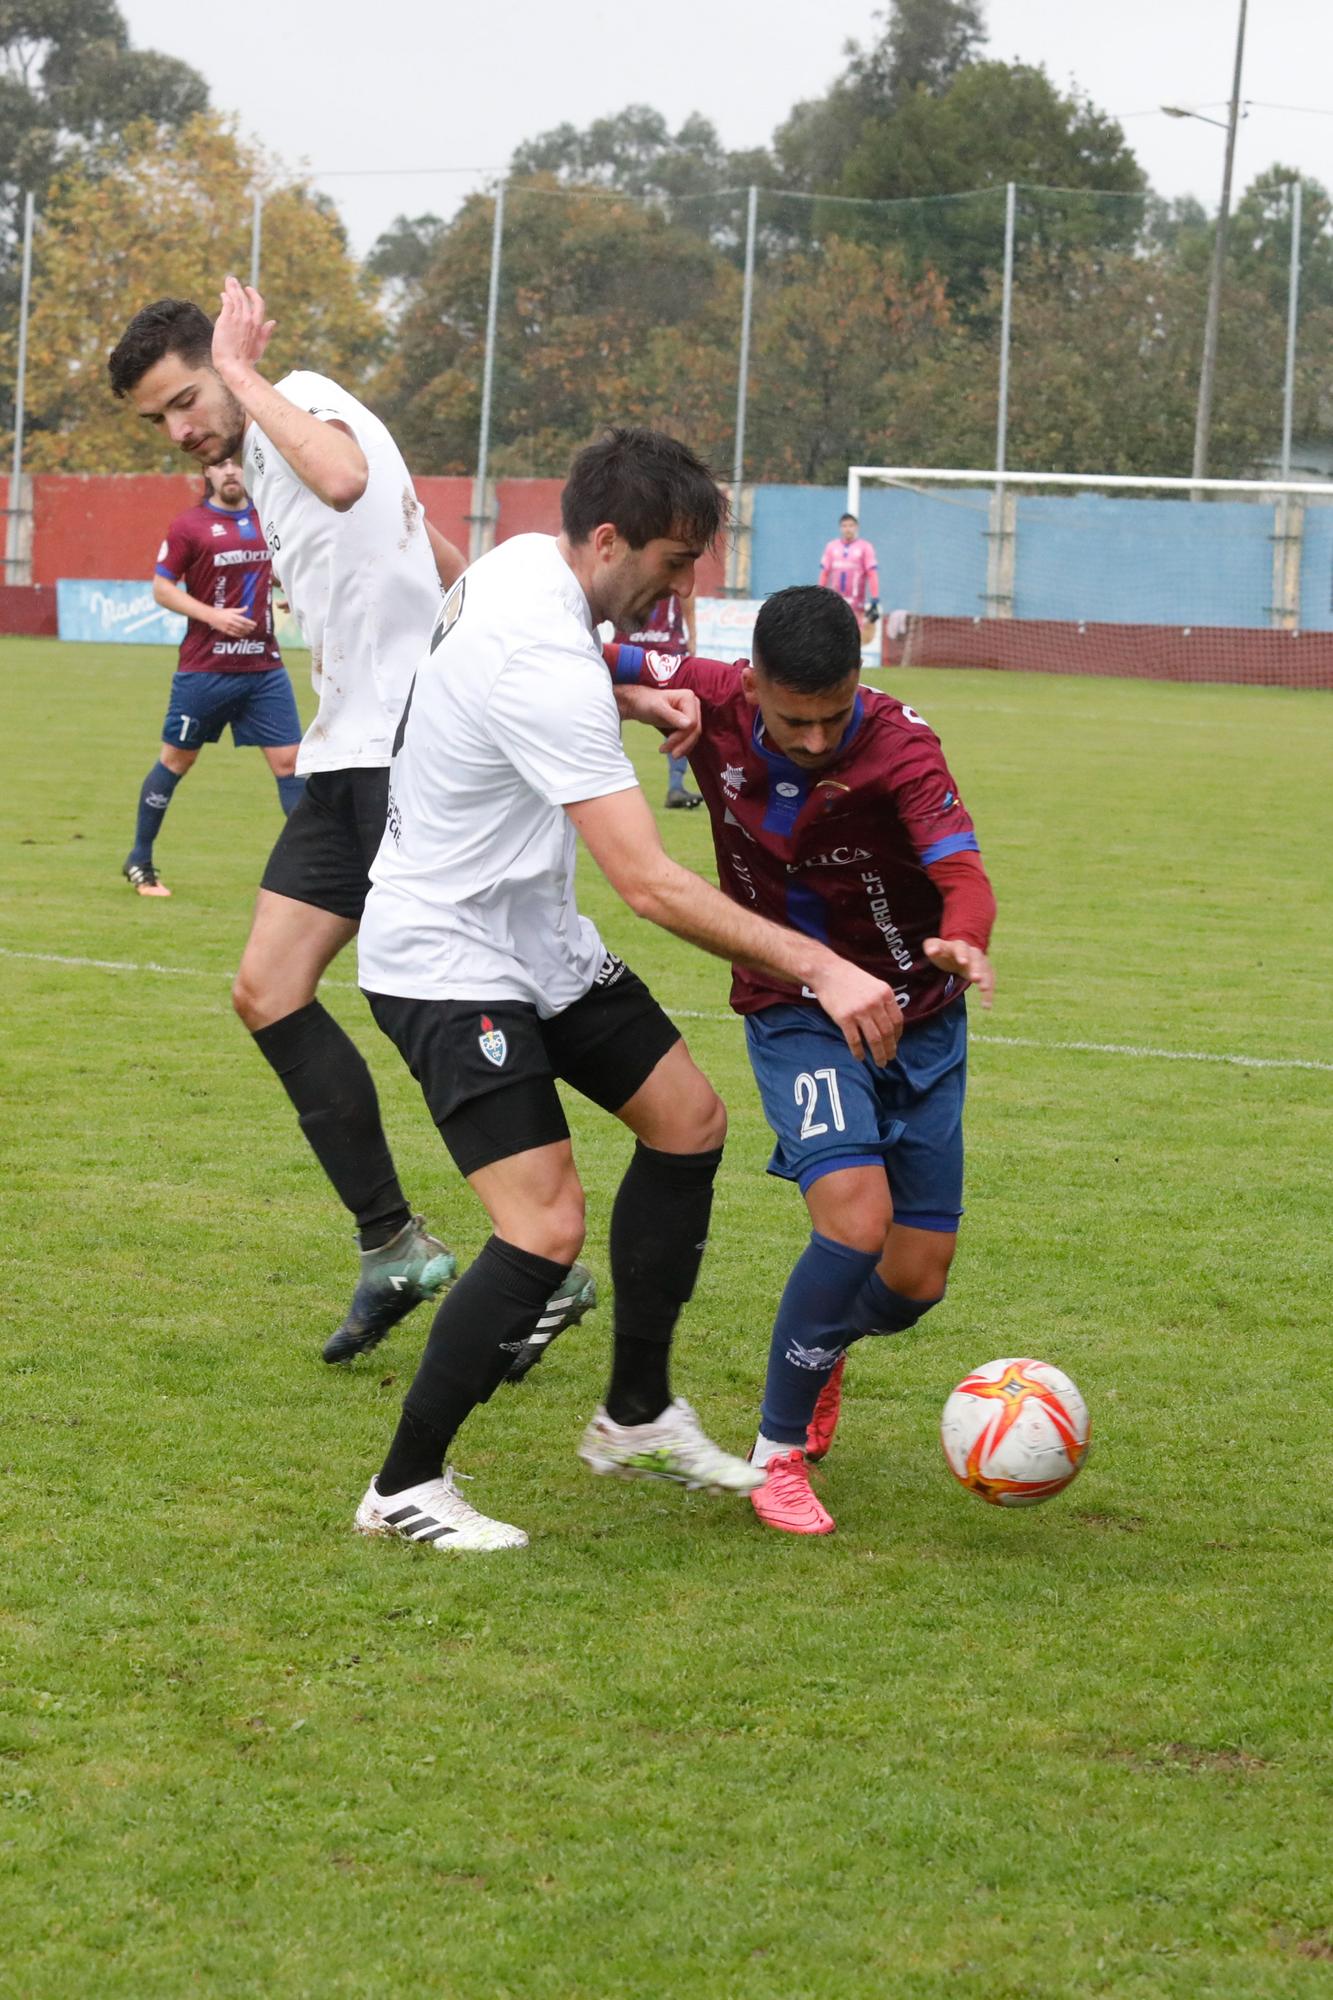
point(362, 570)
point(479, 966)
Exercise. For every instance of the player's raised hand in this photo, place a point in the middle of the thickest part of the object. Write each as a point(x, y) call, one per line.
point(965, 961)
point(240, 332)
point(232, 624)
point(862, 1006)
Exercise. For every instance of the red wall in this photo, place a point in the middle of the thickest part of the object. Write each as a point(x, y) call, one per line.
point(110, 525)
point(103, 526)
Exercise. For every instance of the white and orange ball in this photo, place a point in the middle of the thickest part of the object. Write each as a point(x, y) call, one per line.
point(1015, 1432)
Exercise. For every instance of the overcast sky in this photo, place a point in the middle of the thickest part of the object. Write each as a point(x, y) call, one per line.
point(400, 84)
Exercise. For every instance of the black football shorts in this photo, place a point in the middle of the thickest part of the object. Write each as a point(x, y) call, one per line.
point(328, 842)
point(488, 1068)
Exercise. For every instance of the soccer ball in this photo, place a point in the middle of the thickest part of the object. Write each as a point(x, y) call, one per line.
point(1015, 1432)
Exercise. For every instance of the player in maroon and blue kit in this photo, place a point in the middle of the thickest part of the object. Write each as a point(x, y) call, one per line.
point(669, 626)
point(215, 569)
point(834, 812)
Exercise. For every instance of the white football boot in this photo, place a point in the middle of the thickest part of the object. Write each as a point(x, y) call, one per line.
point(672, 1447)
point(435, 1512)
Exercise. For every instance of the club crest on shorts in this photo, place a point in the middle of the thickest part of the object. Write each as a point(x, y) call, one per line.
point(491, 1042)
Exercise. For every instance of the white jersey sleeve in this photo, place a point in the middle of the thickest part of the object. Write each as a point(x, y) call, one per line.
point(555, 718)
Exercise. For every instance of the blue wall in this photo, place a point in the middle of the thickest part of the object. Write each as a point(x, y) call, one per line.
point(1084, 556)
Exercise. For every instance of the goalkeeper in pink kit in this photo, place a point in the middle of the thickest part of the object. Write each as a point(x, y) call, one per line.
point(834, 813)
point(851, 567)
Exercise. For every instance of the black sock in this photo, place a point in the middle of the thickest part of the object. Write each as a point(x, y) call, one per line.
point(154, 798)
point(325, 1075)
point(481, 1322)
point(659, 1226)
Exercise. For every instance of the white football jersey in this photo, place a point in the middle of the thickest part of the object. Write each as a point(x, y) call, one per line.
point(511, 719)
point(363, 584)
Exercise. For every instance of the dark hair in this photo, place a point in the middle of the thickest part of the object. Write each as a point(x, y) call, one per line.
point(848, 517)
point(807, 639)
point(646, 485)
point(171, 326)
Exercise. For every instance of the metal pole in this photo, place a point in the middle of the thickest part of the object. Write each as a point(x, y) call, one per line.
point(1203, 421)
point(480, 511)
point(1293, 302)
point(1006, 323)
point(256, 237)
point(13, 532)
point(742, 388)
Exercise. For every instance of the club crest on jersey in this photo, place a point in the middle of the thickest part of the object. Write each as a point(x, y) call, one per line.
point(491, 1042)
point(661, 665)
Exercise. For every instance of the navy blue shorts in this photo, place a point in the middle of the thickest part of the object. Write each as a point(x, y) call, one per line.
point(828, 1111)
point(261, 709)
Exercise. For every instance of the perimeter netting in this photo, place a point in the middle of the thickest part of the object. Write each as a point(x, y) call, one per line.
point(1225, 581)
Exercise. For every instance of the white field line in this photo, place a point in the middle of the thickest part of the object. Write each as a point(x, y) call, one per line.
point(1134, 1050)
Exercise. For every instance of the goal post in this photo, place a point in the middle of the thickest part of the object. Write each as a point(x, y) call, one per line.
point(1110, 573)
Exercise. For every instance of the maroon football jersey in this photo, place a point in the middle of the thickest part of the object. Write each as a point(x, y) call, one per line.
point(664, 626)
point(222, 559)
point(840, 853)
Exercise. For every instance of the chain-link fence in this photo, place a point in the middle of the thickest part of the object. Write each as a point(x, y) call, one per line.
point(790, 337)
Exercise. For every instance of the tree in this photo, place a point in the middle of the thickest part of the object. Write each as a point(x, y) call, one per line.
point(169, 218)
point(593, 287)
point(922, 45)
point(1259, 240)
point(402, 253)
point(1104, 371)
point(636, 153)
point(996, 122)
point(839, 370)
point(69, 81)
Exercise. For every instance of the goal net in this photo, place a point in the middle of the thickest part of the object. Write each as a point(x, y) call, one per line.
point(1169, 579)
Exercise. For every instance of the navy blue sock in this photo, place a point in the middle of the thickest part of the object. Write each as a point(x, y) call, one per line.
point(154, 798)
point(810, 1333)
point(879, 1310)
point(289, 793)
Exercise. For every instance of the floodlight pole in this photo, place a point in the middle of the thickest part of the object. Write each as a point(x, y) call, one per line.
point(480, 511)
point(1204, 417)
point(742, 393)
point(1006, 325)
point(256, 236)
point(1293, 304)
point(15, 562)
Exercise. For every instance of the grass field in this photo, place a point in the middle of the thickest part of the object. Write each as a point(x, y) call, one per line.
point(949, 1752)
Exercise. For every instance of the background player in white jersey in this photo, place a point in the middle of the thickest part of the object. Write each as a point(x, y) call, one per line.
point(362, 571)
point(479, 966)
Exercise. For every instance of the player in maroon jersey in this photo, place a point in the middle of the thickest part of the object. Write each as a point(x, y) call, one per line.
point(670, 626)
point(214, 568)
point(834, 812)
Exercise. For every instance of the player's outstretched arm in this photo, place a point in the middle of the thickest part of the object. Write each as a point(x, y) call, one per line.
point(233, 624)
point(621, 835)
point(321, 451)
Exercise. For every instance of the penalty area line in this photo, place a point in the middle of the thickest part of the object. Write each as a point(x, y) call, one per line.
point(1134, 1050)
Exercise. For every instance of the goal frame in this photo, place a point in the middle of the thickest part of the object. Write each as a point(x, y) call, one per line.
point(1274, 648)
point(921, 475)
